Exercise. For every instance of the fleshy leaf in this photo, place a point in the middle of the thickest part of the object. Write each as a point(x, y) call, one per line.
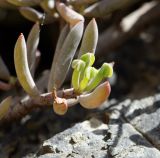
point(79, 67)
point(31, 14)
point(85, 80)
point(36, 16)
point(94, 72)
point(78, 64)
point(60, 42)
point(97, 97)
point(71, 16)
point(90, 38)
point(32, 44)
point(65, 57)
point(22, 68)
point(22, 3)
point(105, 71)
point(89, 58)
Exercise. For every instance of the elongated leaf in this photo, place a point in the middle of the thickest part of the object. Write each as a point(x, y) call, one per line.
point(32, 44)
point(128, 21)
point(22, 68)
point(22, 3)
point(36, 63)
point(65, 56)
point(4, 106)
point(106, 71)
point(5, 5)
point(106, 7)
point(36, 16)
point(90, 38)
point(4, 72)
point(97, 97)
point(60, 42)
point(31, 14)
point(71, 16)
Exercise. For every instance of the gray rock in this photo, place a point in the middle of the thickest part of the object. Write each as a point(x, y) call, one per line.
point(144, 116)
point(132, 131)
point(83, 140)
point(122, 146)
point(93, 138)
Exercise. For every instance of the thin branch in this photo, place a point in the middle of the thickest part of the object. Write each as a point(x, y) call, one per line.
point(24, 106)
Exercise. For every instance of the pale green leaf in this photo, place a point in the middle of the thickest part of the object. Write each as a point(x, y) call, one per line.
point(22, 68)
point(90, 38)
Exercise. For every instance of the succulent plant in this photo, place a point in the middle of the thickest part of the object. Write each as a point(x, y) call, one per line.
point(87, 87)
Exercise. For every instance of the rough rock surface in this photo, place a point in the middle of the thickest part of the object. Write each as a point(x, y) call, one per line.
point(85, 139)
point(132, 131)
point(127, 142)
point(144, 116)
